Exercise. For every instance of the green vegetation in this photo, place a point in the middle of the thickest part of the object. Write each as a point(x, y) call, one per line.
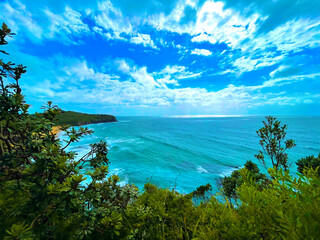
point(231, 183)
point(309, 162)
point(273, 143)
point(272, 140)
point(77, 119)
point(47, 193)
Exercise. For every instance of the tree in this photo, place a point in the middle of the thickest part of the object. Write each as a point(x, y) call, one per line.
point(202, 192)
point(274, 144)
point(308, 162)
point(11, 100)
point(44, 190)
point(231, 183)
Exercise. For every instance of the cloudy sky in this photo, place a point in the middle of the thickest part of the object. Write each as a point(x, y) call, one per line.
point(168, 57)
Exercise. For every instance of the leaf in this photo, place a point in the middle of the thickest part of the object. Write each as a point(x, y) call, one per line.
point(4, 52)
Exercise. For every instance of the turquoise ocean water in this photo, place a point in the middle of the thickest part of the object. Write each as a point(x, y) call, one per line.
point(188, 152)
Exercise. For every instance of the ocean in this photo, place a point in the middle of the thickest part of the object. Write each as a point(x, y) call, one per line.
point(184, 153)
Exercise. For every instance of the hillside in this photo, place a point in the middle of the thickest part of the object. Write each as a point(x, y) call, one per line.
point(76, 118)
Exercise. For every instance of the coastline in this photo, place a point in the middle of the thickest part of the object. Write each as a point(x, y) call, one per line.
point(79, 119)
point(56, 130)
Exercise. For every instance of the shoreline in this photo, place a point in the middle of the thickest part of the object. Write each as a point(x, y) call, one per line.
point(56, 130)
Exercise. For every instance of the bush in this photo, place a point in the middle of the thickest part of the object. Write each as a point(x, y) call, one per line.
point(309, 162)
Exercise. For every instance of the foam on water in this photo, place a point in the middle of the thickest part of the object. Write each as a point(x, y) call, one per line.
point(227, 172)
point(201, 170)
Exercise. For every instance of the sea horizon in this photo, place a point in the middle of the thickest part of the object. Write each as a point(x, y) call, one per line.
point(211, 115)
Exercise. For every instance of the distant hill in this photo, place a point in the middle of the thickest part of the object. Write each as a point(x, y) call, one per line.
point(77, 119)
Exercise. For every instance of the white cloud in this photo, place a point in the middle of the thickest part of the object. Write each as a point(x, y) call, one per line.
point(128, 84)
point(61, 27)
point(80, 83)
point(213, 24)
point(273, 47)
point(141, 76)
point(143, 39)
point(251, 62)
point(112, 24)
point(291, 36)
point(64, 27)
point(177, 72)
point(203, 52)
point(290, 79)
point(17, 17)
point(112, 21)
point(123, 66)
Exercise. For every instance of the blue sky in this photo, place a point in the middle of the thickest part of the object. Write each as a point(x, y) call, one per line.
point(168, 57)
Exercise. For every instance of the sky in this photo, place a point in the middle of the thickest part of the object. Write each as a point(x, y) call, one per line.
point(169, 57)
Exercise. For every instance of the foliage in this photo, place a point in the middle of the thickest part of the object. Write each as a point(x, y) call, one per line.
point(202, 190)
point(47, 192)
point(77, 119)
point(289, 209)
point(272, 135)
point(308, 162)
point(43, 185)
point(231, 183)
point(203, 193)
point(273, 143)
